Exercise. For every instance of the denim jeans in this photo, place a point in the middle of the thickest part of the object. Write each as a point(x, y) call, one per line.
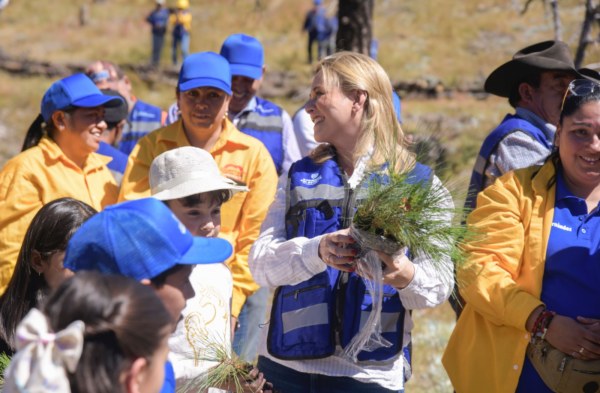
point(158, 41)
point(287, 380)
point(250, 320)
point(184, 43)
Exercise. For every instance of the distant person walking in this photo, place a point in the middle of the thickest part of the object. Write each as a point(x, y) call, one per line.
point(180, 23)
point(317, 26)
point(158, 20)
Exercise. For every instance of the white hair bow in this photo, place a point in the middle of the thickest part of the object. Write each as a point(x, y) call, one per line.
point(42, 356)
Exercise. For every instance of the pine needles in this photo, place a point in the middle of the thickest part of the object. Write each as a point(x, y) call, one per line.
point(418, 215)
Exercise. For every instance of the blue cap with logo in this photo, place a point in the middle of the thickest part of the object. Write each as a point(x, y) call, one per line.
point(205, 69)
point(74, 91)
point(245, 55)
point(140, 239)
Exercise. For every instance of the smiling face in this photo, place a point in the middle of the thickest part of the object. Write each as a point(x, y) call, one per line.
point(203, 108)
point(79, 132)
point(242, 89)
point(336, 116)
point(578, 140)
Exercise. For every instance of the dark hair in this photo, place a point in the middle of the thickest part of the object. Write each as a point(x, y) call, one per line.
point(159, 281)
point(533, 78)
point(39, 128)
point(221, 196)
point(571, 105)
point(124, 320)
point(49, 232)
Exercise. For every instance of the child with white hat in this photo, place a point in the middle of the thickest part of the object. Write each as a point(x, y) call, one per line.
point(189, 182)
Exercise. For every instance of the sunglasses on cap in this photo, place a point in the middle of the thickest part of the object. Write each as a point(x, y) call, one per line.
point(580, 88)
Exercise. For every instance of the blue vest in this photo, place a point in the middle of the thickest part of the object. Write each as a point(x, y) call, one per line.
point(509, 124)
point(308, 319)
point(265, 123)
point(143, 119)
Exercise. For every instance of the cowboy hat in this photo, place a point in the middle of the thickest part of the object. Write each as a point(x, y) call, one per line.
point(543, 56)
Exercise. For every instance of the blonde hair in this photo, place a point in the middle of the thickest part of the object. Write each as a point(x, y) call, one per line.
point(350, 71)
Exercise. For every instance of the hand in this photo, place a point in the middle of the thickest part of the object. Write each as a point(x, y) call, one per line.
point(256, 382)
point(336, 250)
point(579, 340)
point(398, 270)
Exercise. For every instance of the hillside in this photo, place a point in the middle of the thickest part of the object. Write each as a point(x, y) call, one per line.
point(455, 44)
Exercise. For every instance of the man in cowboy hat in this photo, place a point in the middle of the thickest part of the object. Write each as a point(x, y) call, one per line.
point(534, 81)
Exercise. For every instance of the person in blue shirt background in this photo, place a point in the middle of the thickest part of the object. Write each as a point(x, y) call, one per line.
point(158, 19)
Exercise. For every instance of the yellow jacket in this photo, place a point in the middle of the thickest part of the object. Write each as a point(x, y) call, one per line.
point(239, 157)
point(40, 175)
point(501, 281)
point(181, 17)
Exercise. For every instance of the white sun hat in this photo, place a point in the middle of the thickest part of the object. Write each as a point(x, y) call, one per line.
point(186, 171)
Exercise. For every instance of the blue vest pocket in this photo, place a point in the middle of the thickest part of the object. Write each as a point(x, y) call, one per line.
point(300, 326)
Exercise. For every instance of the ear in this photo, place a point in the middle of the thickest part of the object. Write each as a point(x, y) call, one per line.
point(359, 97)
point(526, 92)
point(59, 118)
point(557, 135)
point(132, 379)
point(37, 263)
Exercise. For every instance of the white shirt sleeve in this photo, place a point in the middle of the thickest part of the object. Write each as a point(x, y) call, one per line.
point(305, 133)
point(291, 150)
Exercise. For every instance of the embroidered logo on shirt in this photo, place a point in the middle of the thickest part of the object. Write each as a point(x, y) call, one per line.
point(234, 172)
point(314, 179)
point(563, 227)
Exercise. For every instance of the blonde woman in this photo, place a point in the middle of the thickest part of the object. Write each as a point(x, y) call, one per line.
point(305, 251)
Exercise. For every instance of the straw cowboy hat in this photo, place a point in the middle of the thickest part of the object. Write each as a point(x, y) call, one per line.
point(543, 56)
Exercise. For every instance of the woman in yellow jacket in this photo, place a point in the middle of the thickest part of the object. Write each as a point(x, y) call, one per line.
point(203, 95)
point(532, 273)
point(57, 160)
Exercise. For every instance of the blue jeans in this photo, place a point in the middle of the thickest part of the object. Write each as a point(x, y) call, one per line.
point(287, 380)
point(250, 321)
point(158, 41)
point(184, 43)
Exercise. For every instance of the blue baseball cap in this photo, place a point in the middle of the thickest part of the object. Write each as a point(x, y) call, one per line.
point(76, 90)
point(245, 55)
point(140, 239)
point(205, 69)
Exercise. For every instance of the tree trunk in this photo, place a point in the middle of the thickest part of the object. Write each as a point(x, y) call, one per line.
point(584, 37)
point(355, 25)
point(556, 19)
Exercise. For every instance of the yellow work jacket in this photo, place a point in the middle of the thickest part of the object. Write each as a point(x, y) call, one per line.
point(501, 281)
point(239, 157)
point(40, 175)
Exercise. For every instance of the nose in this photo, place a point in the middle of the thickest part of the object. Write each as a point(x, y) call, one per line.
point(310, 106)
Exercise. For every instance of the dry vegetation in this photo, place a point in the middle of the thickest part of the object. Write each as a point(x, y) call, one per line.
point(455, 42)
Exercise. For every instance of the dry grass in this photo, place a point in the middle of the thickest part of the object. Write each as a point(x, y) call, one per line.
point(457, 42)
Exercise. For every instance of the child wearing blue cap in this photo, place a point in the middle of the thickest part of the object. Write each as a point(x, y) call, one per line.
point(142, 239)
point(203, 95)
point(58, 160)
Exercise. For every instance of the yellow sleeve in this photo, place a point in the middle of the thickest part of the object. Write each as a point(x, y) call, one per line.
point(496, 275)
point(135, 183)
point(262, 185)
point(186, 21)
point(20, 200)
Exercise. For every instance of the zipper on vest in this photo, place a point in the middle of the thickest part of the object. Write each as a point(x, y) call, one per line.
point(299, 291)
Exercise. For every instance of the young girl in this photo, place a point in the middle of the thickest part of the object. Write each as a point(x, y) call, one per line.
point(39, 267)
point(96, 334)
